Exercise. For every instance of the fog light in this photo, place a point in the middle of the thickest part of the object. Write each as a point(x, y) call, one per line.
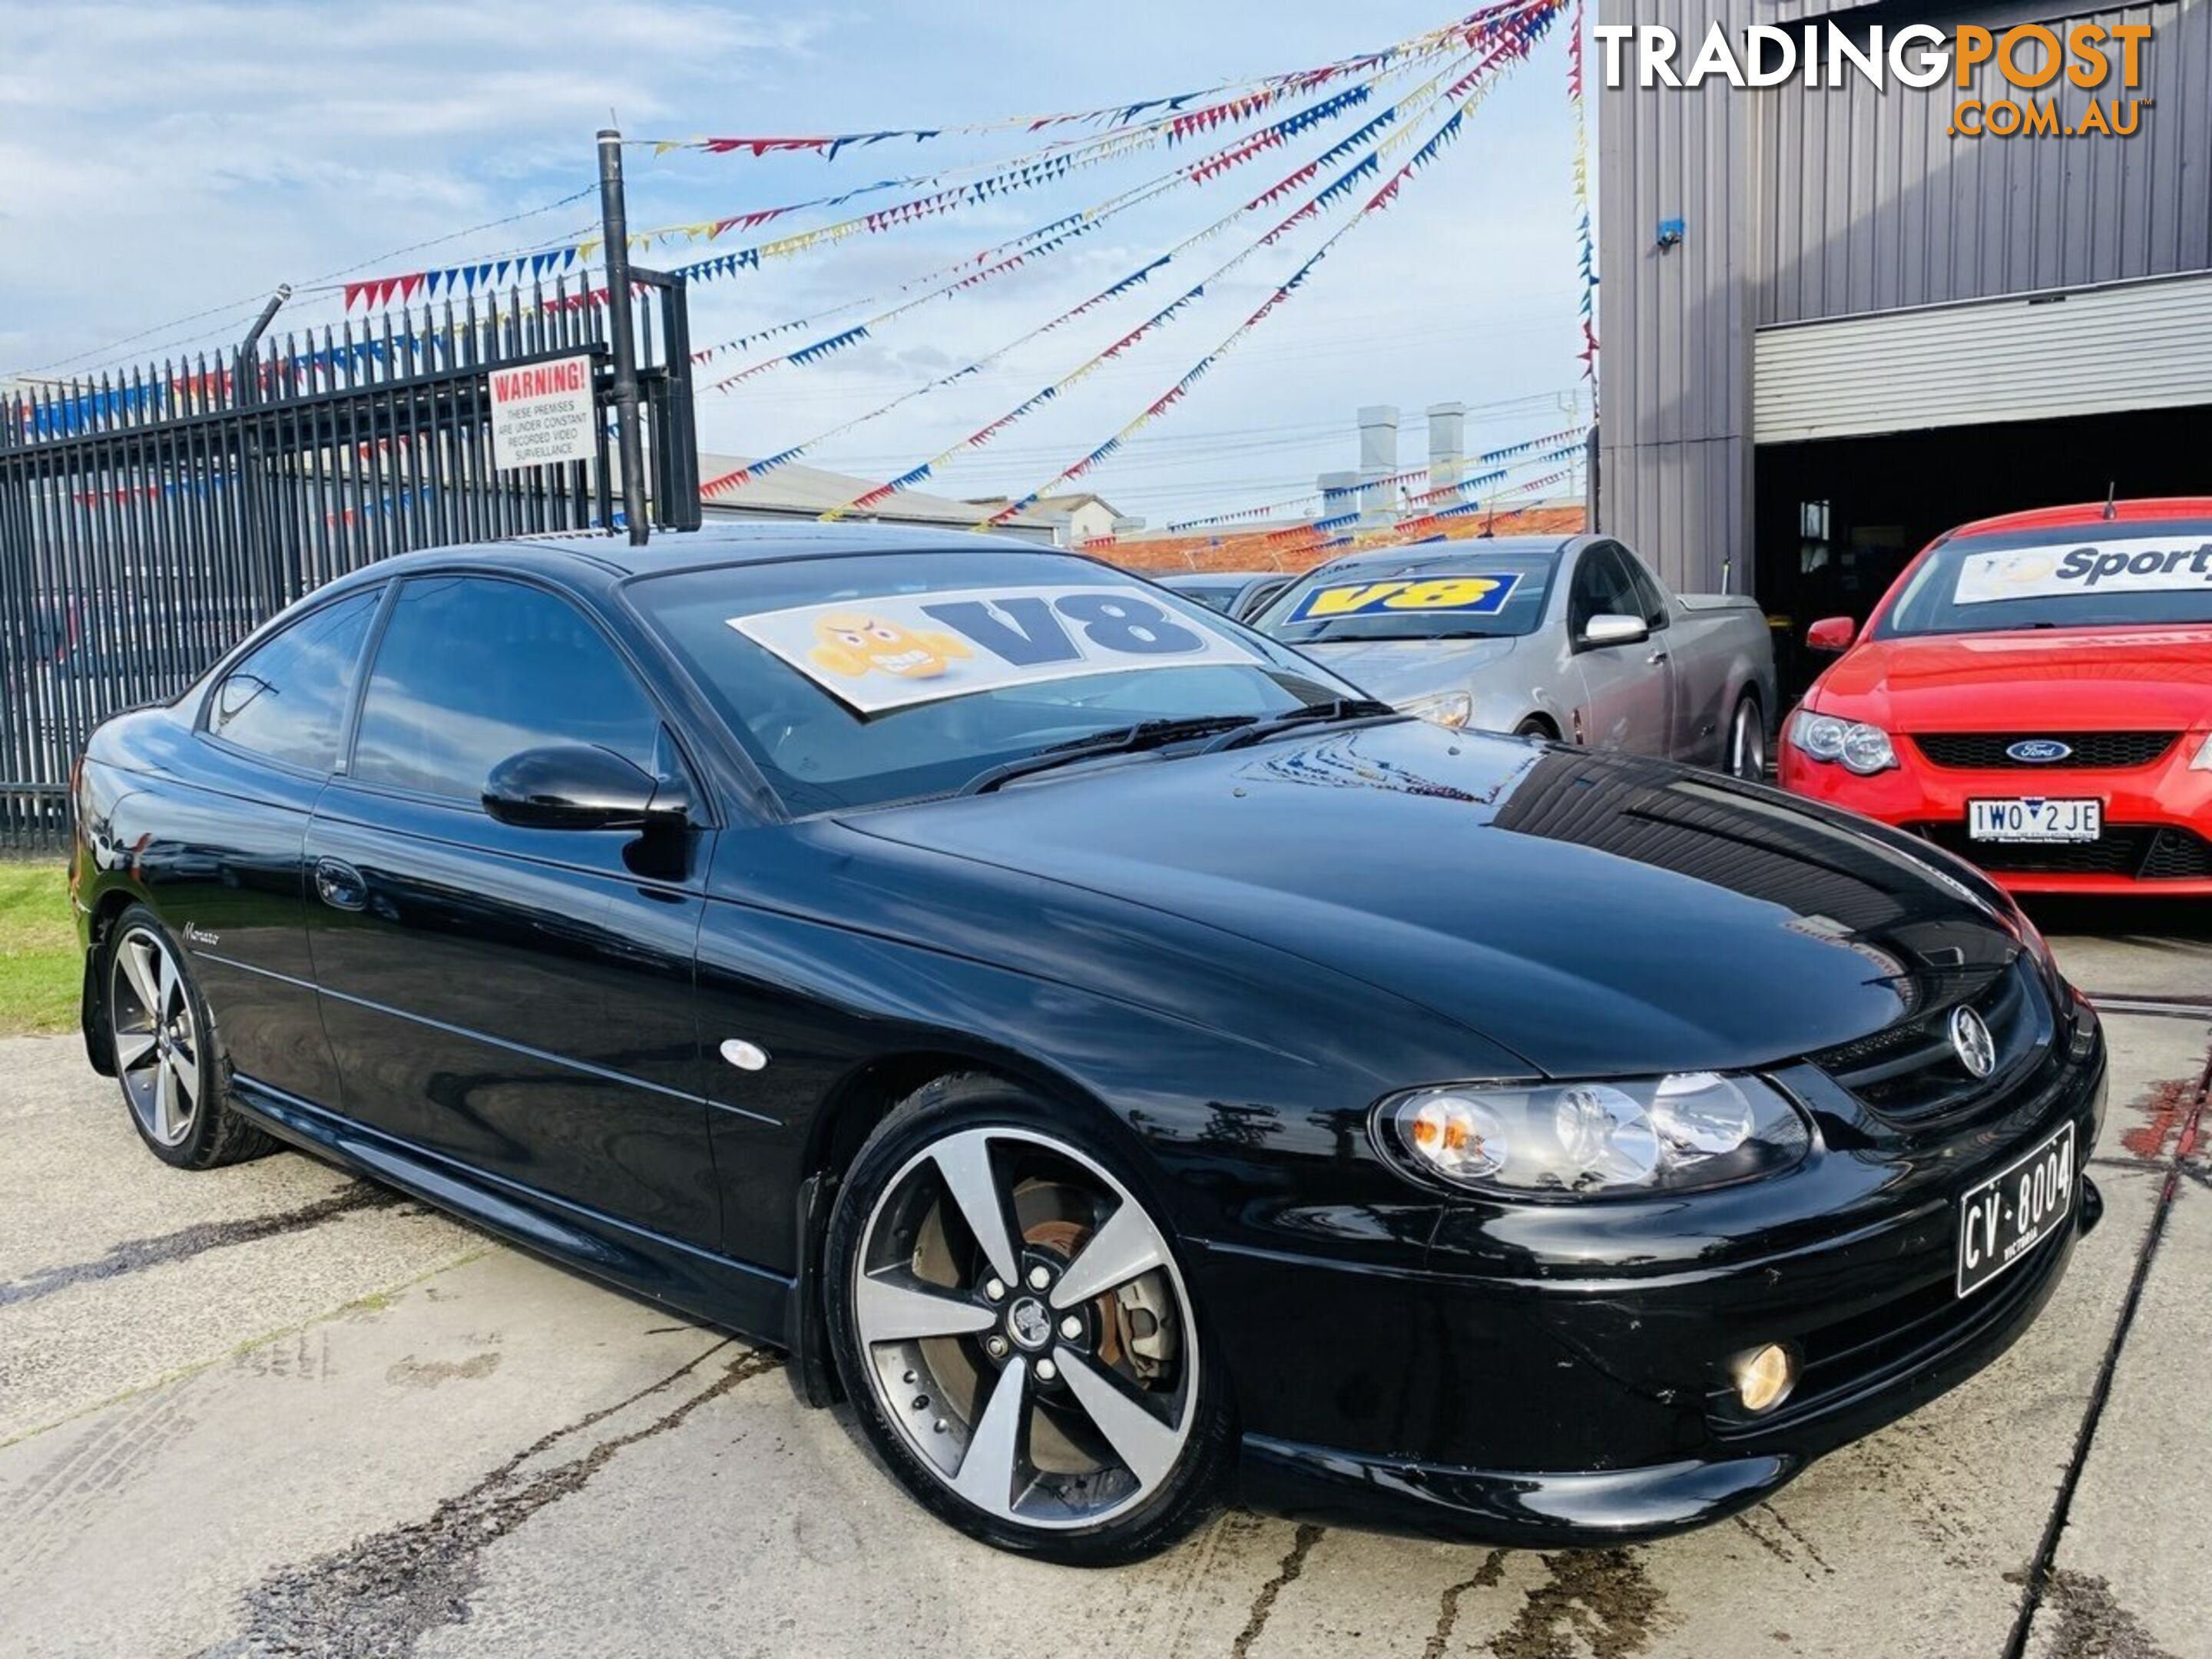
point(1763, 1378)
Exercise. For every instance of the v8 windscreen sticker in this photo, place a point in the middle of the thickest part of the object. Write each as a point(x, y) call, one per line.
point(901, 649)
point(2141, 564)
point(1465, 596)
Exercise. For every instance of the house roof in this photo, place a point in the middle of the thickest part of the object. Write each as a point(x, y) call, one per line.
point(796, 491)
point(1050, 507)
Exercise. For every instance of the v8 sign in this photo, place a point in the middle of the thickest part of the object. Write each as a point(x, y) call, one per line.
point(542, 414)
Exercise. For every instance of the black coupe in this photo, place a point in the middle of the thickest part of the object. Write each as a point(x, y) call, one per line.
point(1101, 1044)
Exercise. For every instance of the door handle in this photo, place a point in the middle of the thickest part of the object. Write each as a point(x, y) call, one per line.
point(340, 886)
point(1657, 656)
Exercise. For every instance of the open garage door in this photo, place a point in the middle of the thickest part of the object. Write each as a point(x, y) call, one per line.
point(1837, 517)
point(2107, 350)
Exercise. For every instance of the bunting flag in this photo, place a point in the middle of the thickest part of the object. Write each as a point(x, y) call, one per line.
point(1533, 452)
point(1048, 238)
point(1266, 138)
point(1408, 529)
point(1588, 252)
point(1033, 171)
point(1023, 250)
point(375, 292)
point(1257, 94)
point(200, 486)
point(981, 185)
point(1512, 41)
point(744, 475)
point(1337, 189)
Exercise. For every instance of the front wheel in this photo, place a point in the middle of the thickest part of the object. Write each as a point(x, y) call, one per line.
point(167, 1057)
point(1747, 741)
point(1012, 1326)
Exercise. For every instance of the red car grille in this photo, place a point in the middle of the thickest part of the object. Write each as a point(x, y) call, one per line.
point(2141, 852)
point(2092, 751)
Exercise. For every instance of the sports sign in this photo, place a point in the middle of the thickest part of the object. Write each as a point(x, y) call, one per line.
point(1466, 596)
point(2141, 564)
point(899, 649)
point(542, 414)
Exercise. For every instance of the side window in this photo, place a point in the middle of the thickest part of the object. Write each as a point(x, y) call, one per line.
point(473, 669)
point(1601, 588)
point(1650, 602)
point(288, 699)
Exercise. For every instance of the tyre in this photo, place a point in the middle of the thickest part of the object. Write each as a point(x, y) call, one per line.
point(1015, 1332)
point(166, 1056)
point(1745, 756)
point(1534, 727)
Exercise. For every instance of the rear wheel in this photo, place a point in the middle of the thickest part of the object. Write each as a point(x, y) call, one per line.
point(1747, 741)
point(1016, 1334)
point(166, 1058)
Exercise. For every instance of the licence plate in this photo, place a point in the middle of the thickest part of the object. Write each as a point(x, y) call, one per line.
point(2036, 817)
point(2010, 1214)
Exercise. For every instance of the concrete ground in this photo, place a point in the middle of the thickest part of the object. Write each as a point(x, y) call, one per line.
point(274, 1410)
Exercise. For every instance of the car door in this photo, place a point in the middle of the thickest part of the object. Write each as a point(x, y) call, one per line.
point(1627, 689)
point(1686, 736)
point(516, 999)
point(230, 881)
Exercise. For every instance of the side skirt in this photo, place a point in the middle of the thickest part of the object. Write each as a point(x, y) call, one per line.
point(749, 1301)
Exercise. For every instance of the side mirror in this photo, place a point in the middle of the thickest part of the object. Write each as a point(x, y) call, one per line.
point(576, 787)
point(1607, 629)
point(1831, 633)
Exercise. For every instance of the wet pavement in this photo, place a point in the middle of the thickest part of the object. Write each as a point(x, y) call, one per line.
point(275, 1410)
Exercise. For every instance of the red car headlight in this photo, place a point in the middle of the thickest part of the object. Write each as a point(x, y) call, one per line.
point(1863, 749)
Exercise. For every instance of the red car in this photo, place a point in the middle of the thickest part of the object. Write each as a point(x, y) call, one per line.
point(2035, 694)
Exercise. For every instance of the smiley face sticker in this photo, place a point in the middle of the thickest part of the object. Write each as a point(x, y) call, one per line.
point(852, 644)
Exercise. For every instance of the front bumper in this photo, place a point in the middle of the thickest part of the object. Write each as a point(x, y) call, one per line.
point(2158, 818)
point(1588, 1402)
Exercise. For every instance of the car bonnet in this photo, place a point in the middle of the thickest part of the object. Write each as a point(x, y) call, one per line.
point(1596, 915)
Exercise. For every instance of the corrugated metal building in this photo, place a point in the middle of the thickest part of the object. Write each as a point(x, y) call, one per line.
point(1871, 329)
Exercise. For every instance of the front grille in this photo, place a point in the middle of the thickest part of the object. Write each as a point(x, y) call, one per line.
point(2092, 751)
point(2176, 854)
point(2141, 851)
point(1910, 1075)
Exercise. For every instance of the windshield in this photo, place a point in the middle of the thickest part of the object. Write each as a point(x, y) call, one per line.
point(2138, 575)
point(853, 681)
point(1474, 593)
point(1214, 596)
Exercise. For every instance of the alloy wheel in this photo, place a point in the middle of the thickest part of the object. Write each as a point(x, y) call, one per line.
point(155, 1037)
point(1747, 744)
point(1024, 1325)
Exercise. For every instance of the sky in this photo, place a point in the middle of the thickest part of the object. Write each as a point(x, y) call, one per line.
point(164, 163)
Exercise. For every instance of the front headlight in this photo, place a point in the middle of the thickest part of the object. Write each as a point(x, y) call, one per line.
point(2204, 761)
point(1451, 708)
point(1670, 1134)
point(1865, 750)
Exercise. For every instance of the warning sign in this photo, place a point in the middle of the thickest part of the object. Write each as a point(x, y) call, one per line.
point(542, 414)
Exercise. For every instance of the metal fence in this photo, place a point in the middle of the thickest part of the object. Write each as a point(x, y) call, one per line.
point(149, 521)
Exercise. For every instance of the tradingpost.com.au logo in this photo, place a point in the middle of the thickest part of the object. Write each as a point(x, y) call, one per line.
point(2104, 60)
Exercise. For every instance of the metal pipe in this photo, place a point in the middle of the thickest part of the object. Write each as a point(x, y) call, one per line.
point(248, 384)
point(614, 220)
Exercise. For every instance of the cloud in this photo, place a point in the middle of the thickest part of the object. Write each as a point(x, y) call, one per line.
point(161, 159)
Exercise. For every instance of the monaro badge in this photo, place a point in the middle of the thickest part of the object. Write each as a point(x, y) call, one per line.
point(2039, 752)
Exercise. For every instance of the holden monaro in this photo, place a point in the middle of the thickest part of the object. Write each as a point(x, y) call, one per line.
point(1088, 1037)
